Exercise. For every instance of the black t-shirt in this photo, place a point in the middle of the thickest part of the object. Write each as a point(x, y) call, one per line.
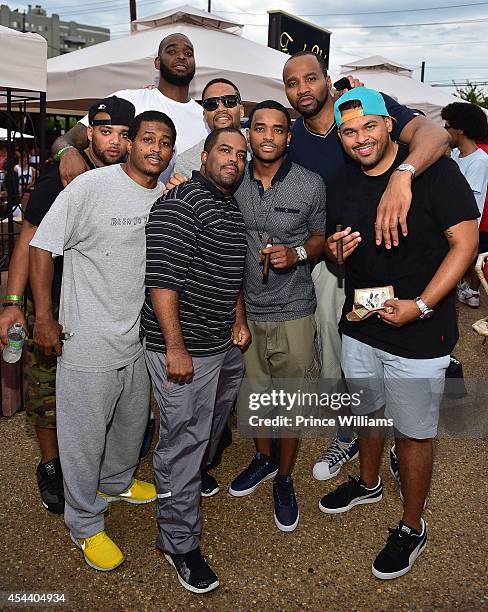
point(441, 198)
point(45, 192)
point(323, 153)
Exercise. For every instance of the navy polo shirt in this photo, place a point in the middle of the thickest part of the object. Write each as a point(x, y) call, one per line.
point(323, 153)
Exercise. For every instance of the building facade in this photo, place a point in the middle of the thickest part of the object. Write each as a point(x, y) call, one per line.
point(62, 36)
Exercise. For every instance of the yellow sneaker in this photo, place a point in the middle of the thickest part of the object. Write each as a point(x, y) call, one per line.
point(139, 492)
point(99, 551)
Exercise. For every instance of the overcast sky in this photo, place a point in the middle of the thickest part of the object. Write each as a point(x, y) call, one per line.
point(456, 50)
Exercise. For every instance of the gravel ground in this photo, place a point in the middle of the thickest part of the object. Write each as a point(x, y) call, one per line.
point(324, 565)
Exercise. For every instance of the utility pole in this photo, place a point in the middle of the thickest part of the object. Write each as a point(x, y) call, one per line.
point(133, 15)
point(209, 6)
point(422, 72)
point(133, 12)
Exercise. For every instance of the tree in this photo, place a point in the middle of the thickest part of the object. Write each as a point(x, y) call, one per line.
point(473, 93)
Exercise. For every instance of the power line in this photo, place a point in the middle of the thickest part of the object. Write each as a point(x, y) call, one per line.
point(406, 25)
point(430, 8)
point(396, 25)
point(424, 44)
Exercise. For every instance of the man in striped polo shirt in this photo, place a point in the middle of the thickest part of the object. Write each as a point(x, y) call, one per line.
point(194, 325)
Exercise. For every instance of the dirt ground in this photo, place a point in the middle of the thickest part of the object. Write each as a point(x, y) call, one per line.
point(324, 565)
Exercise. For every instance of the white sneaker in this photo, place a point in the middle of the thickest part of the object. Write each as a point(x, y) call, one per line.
point(330, 462)
point(468, 296)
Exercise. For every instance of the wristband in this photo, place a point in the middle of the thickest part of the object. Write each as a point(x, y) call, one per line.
point(58, 155)
point(16, 304)
point(14, 298)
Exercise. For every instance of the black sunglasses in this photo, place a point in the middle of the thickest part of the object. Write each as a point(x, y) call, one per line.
point(230, 101)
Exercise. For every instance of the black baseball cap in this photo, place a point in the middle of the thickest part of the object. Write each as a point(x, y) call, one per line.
point(121, 111)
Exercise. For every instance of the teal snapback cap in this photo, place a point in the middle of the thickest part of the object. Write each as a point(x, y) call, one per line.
point(372, 103)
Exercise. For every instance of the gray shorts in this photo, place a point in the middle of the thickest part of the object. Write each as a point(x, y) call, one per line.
point(410, 390)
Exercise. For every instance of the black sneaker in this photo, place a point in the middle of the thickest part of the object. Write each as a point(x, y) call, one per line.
point(350, 494)
point(50, 482)
point(286, 513)
point(210, 486)
point(403, 546)
point(193, 571)
point(455, 387)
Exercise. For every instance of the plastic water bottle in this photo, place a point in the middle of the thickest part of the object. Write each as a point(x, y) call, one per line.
point(16, 337)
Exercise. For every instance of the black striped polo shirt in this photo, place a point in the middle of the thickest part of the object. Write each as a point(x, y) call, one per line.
point(195, 245)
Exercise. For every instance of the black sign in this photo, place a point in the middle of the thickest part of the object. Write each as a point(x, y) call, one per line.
point(291, 34)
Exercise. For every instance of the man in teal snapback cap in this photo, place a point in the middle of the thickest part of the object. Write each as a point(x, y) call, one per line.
point(367, 102)
point(403, 349)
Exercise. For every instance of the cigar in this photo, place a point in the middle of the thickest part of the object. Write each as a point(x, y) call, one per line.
point(267, 261)
point(340, 256)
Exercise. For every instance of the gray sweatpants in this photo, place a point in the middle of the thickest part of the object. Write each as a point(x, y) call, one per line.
point(101, 418)
point(191, 415)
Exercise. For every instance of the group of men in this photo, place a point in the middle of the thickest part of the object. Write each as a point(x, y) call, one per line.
point(169, 288)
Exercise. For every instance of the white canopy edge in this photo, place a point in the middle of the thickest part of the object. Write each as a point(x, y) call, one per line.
point(23, 60)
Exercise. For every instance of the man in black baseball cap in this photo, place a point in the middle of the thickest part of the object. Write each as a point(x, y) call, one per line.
point(120, 111)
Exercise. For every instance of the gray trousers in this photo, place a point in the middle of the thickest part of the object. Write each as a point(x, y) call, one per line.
point(191, 415)
point(101, 418)
point(330, 300)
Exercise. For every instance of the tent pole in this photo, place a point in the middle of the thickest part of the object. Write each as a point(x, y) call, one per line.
point(12, 197)
point(422, 72)
point(42, 129)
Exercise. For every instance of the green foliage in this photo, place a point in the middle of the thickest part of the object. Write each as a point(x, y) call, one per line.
point(474, 94)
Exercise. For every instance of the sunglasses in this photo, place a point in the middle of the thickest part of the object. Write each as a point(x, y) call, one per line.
point(211, 104)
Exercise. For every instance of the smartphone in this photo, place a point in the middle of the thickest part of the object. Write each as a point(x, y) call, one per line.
point(342, 84)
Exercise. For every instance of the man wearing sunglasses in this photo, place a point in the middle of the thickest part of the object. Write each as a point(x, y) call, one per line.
point(222, 108)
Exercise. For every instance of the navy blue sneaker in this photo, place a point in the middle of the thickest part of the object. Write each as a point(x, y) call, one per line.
point(260, 469)
point(286, 513)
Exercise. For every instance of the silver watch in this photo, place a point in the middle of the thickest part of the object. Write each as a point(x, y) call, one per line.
point(406, 168)
point(301, 252)
point(425, 311)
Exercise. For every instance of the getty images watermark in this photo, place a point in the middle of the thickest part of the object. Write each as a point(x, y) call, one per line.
point(318, 408)
point(307, 410)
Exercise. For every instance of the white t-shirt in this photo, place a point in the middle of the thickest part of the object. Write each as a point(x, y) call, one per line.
point(474, 168)
point(190, 125)
point(98, 224)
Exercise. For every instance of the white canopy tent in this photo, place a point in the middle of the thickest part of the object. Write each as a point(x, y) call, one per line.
point(23, 60)
point(186, 14)
point(79, 77)
point(396, 80)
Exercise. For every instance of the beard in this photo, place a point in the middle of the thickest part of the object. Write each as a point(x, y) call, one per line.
point(107, 161)
point(180, 80)
point(316, 108)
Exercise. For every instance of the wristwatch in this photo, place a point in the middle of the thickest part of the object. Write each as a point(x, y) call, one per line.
point(301, 252)
point(406, 168)
point(425, 311)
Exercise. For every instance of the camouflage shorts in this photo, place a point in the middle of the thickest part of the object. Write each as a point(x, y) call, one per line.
point(40, 371)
